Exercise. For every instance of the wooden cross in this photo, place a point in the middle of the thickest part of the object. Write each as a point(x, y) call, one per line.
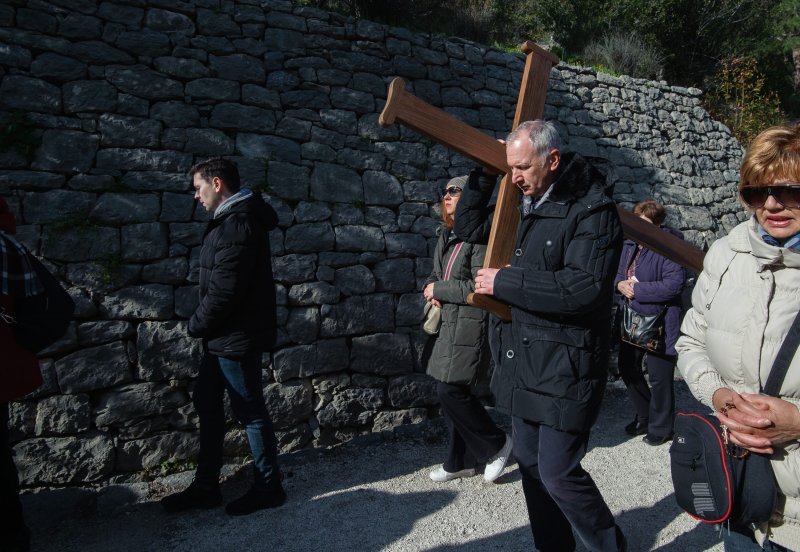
point(449, 131)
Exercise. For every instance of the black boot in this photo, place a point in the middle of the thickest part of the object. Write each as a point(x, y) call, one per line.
point(196, 495)
point(257, 498)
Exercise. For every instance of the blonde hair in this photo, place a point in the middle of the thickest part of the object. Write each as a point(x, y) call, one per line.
point(652, 209)
point(772, 155)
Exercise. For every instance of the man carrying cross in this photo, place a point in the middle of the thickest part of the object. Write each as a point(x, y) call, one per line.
point(550, 359)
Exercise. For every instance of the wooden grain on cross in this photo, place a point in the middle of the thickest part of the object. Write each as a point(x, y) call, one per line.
point(442, 127)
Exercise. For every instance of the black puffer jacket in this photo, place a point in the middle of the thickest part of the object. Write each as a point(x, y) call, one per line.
point(236, 314)
point(550, 360)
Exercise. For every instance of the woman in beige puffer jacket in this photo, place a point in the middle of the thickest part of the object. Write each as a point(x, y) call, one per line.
point(743, 305)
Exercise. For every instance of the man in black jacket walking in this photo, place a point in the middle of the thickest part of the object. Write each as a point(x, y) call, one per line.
point(236, 321)
point(550, 360)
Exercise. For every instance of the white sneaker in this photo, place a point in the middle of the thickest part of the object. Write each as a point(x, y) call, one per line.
point(441, 475)
point(497, 463)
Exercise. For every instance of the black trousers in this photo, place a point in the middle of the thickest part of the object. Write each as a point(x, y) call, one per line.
point(654, 404)
point(560, 494)
point(12, 524)
point(474, 437)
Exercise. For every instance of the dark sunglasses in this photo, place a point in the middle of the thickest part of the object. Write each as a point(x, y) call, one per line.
point(452, 191)
point(787, 195)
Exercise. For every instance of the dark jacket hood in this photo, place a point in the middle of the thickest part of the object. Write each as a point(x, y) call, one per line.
point(579, 179)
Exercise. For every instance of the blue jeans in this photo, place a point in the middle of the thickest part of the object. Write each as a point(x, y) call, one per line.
point(242, 379)
point(741, 540)
point(560, 494)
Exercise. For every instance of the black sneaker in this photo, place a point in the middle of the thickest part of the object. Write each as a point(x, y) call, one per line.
point(196, 495)
point(257, 498)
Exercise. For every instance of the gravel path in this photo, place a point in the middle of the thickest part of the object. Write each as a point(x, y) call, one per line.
point(374, 494)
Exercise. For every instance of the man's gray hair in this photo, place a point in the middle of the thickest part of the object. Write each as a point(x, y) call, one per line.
point(542, 135)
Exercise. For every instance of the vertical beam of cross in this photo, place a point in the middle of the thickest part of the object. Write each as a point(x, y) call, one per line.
point(449, 131)
point(530, 105)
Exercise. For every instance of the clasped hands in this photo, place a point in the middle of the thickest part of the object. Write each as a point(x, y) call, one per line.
point(625, 287)
point(756, 422)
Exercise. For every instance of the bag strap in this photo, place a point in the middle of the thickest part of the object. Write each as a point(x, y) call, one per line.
point(452, 260)
point(785, 355)
point(630, 270)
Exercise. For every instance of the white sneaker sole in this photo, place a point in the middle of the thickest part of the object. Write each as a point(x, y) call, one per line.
point(439, 475)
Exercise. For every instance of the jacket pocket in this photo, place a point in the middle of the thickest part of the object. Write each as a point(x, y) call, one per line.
point(554, 359)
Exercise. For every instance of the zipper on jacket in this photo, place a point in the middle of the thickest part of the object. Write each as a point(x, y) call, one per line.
point(719, 284)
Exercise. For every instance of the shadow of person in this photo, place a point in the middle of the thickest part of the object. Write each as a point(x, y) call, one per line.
point(355, 519)
point(647, 528)
point(360, 519)
point(514, 540)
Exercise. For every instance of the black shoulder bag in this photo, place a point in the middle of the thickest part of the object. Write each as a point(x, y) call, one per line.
point(716, 481)
point(645, 331)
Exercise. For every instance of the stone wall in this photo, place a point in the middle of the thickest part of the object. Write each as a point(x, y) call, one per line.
point(116, 100)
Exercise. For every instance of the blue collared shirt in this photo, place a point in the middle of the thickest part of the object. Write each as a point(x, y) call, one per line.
point(789, 243)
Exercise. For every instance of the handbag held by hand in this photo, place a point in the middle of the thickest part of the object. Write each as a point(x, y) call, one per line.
point(716, 481)
point(432, 315)
point(432, 319)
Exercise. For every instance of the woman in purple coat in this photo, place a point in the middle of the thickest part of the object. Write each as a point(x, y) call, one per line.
point(650, 283)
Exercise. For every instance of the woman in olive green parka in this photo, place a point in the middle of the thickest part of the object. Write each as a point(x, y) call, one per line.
point(460, 355)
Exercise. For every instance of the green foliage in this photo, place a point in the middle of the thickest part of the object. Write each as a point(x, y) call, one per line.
point(19, 134)
point(691, 36)
point(504, 22)
point(697, 34)
point(168, 467)
point(688, 38)
point(625, 54)
point(775, 54)
point(740, 99)
point(109, 268)
point(600, 68)
point(575, 23)
point(786, 24)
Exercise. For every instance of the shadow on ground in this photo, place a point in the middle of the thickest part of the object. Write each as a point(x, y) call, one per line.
point(373, 494)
